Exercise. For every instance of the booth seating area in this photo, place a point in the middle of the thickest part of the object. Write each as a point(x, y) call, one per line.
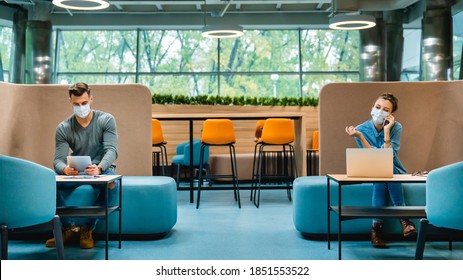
point(430, 113)
point(310, 206)
point(149, 202)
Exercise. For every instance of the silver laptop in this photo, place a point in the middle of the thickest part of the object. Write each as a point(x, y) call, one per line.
point(370, 163)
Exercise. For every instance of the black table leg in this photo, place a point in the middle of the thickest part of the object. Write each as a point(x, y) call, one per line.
point(328, 213)
point(339, 221)
point(191, 175)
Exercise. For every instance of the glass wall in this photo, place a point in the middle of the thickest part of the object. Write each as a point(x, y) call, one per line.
point(5, 52)
point(262, 63)
point(457, 44)
point(411, 55)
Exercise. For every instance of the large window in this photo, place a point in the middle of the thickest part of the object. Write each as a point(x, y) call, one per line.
point(97, 56)
point(328, 56)
point(262, 63)
point(411, 55)
point(5, 52)
point(457, 44)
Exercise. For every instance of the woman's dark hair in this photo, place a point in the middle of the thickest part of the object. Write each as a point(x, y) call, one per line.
point(391, 98)
point(78, 89)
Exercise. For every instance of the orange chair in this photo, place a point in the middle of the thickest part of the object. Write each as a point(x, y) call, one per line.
point(315, 140)
point(257, 136)
point(312, 155)
point(218, 132)
point(276, 132)
point(157, 140)
point(259, 128)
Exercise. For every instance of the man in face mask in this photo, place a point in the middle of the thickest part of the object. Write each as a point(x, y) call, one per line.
point(87, 132)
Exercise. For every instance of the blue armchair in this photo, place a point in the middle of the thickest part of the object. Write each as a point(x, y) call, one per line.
point(27, 201)
point(182, 157)
point(444, 205)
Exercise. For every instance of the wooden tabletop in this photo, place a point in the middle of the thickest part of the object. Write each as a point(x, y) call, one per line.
point(402, 178)
point(87, 179)
point(234, 116)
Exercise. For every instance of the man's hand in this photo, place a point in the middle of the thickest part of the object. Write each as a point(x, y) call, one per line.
point(69, 171)
point(92, 170)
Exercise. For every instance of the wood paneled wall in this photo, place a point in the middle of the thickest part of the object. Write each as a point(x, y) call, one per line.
point(176, 132)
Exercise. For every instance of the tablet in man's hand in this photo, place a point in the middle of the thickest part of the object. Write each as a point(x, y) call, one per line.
point(79, 163)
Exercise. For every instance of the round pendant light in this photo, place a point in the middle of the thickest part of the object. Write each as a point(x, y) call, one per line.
point(85, 5)
point(222, 31)
point(352, 22)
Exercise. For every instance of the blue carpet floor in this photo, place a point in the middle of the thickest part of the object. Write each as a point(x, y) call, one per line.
point(219, 230)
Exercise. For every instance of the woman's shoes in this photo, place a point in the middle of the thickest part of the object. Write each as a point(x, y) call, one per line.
point(408, 228)
point(376, 233)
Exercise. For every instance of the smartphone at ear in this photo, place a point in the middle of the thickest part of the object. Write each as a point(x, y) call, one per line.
point(386, 122)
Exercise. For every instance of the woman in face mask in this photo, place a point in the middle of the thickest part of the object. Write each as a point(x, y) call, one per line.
point(382, 131)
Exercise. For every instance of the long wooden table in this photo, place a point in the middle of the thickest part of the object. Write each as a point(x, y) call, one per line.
point(299, 127)
point(356, 212)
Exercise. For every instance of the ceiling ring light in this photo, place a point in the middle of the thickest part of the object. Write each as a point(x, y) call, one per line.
point(352, 22)
point(222, 31)
point(85, 5)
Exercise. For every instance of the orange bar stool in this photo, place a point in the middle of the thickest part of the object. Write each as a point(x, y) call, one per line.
point(277, 132)
point(312, 155)
point(157, 140)
point(219, 132)
point(257, 136)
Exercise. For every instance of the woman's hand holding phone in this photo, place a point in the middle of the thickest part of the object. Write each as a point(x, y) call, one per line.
point(389, 121)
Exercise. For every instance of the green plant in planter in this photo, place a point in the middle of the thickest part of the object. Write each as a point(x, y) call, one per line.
point(238, 100)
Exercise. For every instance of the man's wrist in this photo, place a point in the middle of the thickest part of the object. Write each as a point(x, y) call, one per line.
point(387, 141)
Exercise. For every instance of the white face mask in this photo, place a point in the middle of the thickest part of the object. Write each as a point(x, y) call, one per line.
point(378, 116)
point(81, 111)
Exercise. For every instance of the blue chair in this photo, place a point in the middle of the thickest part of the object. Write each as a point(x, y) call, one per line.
point(444, 205)
point(182, 157)
point(27, 201)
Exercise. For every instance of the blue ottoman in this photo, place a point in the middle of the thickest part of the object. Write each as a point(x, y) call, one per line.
point(149, 207)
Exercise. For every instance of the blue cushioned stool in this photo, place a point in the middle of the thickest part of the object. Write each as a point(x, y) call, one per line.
point(149, 207)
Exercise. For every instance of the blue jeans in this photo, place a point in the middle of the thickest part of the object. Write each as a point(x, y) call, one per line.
point(382, 192)
point(98, 199)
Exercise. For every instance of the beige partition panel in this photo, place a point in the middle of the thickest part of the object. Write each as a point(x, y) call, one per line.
point(430, 112)
point(30, 114)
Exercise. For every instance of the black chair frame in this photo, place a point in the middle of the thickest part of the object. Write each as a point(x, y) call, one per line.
point(286, 177)
point(164, 162)
point(233, 176)
point(427, 228)
point(54, 224)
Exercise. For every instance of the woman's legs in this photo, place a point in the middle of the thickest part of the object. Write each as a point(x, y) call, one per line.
point(379, 198)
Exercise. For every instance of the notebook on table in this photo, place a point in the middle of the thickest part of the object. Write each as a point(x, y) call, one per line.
point(370, 163)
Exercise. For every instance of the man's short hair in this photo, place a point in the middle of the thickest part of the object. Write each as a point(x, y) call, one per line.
point(78, 89)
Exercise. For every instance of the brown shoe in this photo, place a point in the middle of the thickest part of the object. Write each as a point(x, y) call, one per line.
point(408, 228)
point(69, 237)
point(376, 233)
point(86, 239)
